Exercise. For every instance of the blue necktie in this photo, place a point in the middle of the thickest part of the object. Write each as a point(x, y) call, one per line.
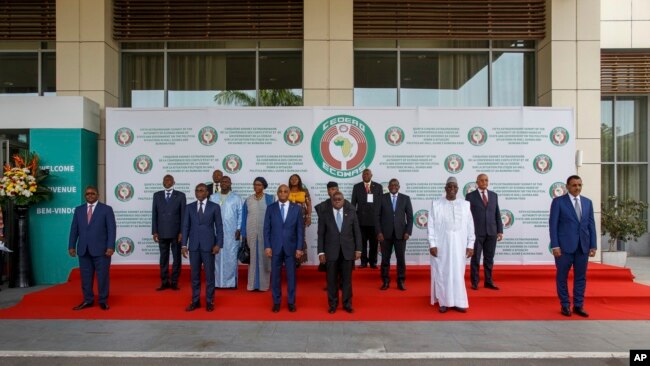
point(394, 203)
point(200, 209)
point(339, 219)
point(282, 211)
point(168, 196)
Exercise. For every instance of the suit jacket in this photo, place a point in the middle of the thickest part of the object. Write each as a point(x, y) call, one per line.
point(94, 237)
point(331, 241)
point(205, 232)
point(167, 217)
point(565, 229)
point(399, 222)
point(288, 235)
point(487, 220)
point(365, 210)
point(210, 188)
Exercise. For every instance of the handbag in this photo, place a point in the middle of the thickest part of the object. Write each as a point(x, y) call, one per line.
point(244, 253)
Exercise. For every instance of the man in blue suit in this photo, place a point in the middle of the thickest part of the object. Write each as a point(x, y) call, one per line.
point(573, 241)
point(283, 240)
point(92, 237)
point(203, 230)
point(166, 219)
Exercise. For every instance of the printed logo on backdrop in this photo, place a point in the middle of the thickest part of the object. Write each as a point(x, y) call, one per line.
point(232, 163)
point(454, 164)
point(143, 164)
point(542, 164)
point(293, 136)
point(384, 185)
point(477, 136)
point(124, 191)
point(208, 136)
point(343, 146)
point(124, 137)
point(420, 219)
point(124, 246)
point(559, 136)
point(557, 189)
point(507, 218)
point(394, 136)
point(469, 188)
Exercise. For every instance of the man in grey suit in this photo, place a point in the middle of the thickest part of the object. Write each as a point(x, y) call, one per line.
point(339, 245)
point(488, 229)
point(394, 225)
point(166, 219)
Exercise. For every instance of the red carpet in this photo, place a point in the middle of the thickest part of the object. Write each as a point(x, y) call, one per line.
point(527, 293)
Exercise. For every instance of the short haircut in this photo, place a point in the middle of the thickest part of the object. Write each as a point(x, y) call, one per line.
point(572, 177)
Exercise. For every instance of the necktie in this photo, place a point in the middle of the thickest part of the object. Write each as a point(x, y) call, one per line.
point(339, 219)
point(89, 215)
point(394, 202)
point(200, 209)
point(484, 198)
point(168, 195)
point(367, 188)
point(282, 211)
point(578, 208)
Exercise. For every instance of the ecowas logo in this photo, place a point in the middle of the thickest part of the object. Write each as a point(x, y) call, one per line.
point(208, 136)
point(469, 188)
point(477, 136)
point(124, 246)
point(293, 136)
point(394, 136)
point(124, 191)
point(420, 219)
point(232, 163)
point(454, 163)
point(124, 137)
point(559, 136)
point(343, 146)
point(507, 218)
point(142, 164)
point(542, 164)
point(557, 189)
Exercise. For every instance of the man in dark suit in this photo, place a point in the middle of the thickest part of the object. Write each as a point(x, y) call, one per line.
point(339, 245)
point(488, 228)
point(215, 185)
point(283, 239)
point(92, 237)
point(393, 226)
point(573, 240)
point(365, 196)
point(203, 229)
point(166, 219)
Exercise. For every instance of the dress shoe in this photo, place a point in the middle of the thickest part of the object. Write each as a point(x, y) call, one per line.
point(474, 287)
point(363, 265)
point(566, 311)
point(400, 285)
point(443, 309)
point(209, 307)
point(578, 310)
point(349, 309)
point(163, 287)
point(460, 310)
point(292, 308)
point(384, 286)
point(104, 306)
point(332, 310)
point(373, 266)
point(276, 308)
point(491, 286)
point(175, 287)
point(193, 306)
point(83, 305)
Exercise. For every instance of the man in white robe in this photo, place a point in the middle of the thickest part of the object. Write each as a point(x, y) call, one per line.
point(231, 212)
point(451, 242)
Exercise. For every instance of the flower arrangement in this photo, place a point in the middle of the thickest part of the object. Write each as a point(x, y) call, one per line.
point(23, 183)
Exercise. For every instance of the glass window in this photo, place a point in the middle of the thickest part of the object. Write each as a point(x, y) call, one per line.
point(606, 129)
point(607, 181)
point(143, 80)
point(631, 122)
point(280, 79)
point(375, 78)
point(19, 73)
point(48, 74)
point(513, 75)
point(632, 181)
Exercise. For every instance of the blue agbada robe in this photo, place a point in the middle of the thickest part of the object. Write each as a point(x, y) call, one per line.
point(226, 261)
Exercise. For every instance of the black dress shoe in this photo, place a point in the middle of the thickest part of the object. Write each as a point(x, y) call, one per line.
point(460, 310)
point(580, 311)
point(349, 309)
point(276, 308)
point(400, 285)
point(474, 287)
point(83, 305)
point(363, 265)
point(566, 311)
point(384, 286)
point(332, 310)
point(209, 307)
point(175, 287)
point(292, 308)
point(491, 286)
point(193, 306)
point(104, 306)
point(164, 286)
point(373, 266)
point(442, 309)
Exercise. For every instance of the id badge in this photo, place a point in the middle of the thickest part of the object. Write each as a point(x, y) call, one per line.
point(370, 198)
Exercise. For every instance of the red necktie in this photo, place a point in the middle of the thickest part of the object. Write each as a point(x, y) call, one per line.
point(367, 188)
point(90, 213)
point(484, 198)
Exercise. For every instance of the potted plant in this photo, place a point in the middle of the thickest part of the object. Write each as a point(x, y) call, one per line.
point(623, 220)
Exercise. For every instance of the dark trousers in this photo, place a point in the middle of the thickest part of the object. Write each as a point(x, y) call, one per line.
point(486, 244)
point(368, 246)
point(563, 263)
point(340, 268)
point(205, 259)
point(88, 266)
point(165, 246)
point(387, 246)
point(276, 269)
